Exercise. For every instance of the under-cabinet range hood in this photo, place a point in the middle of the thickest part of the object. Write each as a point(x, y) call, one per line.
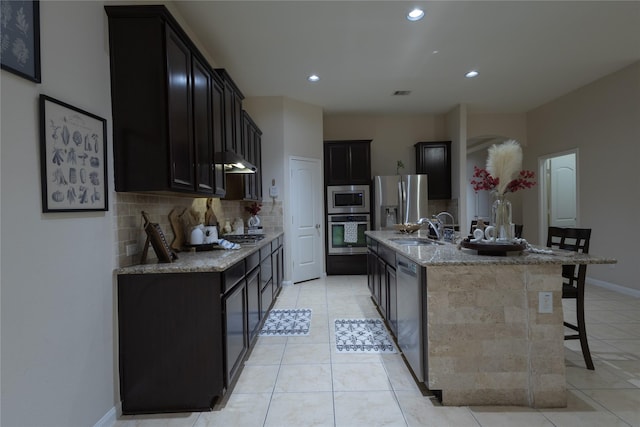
point(233, 163)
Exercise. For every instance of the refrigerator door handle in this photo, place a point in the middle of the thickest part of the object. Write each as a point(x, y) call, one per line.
point(402, 201)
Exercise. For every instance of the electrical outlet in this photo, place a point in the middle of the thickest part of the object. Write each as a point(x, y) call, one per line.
point(131, 249)
point(545, 302)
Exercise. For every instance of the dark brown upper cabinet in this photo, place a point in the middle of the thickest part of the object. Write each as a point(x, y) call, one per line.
point(248, 186)
point(252, 138)
point(167, 106)
point(233, 115)
point(347, 162)
point(434, 159)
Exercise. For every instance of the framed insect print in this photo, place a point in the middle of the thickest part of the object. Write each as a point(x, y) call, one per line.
point(73, 158)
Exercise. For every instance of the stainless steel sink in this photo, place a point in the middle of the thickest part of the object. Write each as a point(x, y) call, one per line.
point(415, 241)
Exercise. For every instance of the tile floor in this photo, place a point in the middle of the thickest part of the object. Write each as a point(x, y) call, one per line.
point(303, 382)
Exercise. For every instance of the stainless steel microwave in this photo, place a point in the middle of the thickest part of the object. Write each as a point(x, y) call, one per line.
point(348, 199)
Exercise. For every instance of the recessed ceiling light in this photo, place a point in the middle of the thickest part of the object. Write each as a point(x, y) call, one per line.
point(313, 78)
point(415, 15)
point(435, 52)
point(471, 74)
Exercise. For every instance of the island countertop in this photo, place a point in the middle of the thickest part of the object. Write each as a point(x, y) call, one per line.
point(450, 254)
point(206, 261)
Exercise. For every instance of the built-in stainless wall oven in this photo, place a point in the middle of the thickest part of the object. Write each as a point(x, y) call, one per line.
point(345, 233)
point(348, 199)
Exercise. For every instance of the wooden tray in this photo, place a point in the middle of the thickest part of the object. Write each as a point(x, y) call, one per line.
point(499, 249)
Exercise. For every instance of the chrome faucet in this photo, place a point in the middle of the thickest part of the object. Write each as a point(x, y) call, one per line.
point(445, 213)
point(447, 229)
point(431, 224)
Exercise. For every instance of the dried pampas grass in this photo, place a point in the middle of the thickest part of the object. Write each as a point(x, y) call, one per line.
point(504, 162)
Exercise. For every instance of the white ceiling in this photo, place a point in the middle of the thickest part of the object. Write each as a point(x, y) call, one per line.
point(527, 52)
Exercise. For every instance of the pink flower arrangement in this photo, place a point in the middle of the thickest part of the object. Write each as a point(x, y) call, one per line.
point(253, 209)
point(482, 180)
point(503, 173)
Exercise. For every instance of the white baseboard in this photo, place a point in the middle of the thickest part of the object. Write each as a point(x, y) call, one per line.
point(612, 287)
point(109, 419)
point(287, 283)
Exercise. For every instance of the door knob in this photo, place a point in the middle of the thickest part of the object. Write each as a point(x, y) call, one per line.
point(318, 226)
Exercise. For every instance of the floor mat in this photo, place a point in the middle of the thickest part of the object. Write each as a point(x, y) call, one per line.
point(362, 336)
point(287, 323)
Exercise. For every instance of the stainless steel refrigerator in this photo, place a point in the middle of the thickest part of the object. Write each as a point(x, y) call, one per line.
point(399, 199)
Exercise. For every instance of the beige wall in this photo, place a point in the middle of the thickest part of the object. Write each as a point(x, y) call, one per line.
point(267, 113)
point(601, 120)
point(393, 137)
point(457, 130)
point(57, 313)
point(290, 128)
point(512, 126)
point(302, 138)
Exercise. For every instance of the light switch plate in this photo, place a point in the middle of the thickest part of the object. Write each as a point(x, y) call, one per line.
point(273, 191)
point(131, 249)
point(545, 302)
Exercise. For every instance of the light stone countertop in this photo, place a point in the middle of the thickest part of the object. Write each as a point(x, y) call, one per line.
point(449, 254)
point(201, 262)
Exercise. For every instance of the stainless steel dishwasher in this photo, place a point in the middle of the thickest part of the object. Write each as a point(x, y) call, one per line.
point(410, 312)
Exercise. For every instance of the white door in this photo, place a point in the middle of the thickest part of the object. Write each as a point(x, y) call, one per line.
point(562, 191)
point(306, 211)
point(558, 180)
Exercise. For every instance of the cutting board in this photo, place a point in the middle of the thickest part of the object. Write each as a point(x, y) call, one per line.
point(178, 231)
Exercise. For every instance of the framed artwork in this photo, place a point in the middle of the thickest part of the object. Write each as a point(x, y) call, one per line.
point(73, 158)
point(20, 38)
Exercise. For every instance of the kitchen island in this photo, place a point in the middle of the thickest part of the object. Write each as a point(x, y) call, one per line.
point(481, 335)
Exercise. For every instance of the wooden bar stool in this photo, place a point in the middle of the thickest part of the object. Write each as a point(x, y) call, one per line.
point(574, 239)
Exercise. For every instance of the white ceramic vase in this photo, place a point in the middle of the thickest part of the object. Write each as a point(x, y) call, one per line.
point(254, 221)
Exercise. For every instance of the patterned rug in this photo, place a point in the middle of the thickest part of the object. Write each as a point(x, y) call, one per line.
point(362, 336)
point(287, 323)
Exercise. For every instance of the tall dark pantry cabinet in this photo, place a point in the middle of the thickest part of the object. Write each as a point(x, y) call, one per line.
point(347, 179)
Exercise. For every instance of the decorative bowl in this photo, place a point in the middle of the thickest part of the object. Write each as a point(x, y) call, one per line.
point(407, 228)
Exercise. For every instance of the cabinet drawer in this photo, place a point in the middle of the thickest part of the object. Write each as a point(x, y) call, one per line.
point(232, 275)
point(265, 251)
point(235, 312)
point(388, 255)
point(372, 245)
point(266, 298)
point(253, 260)
point(266, 272)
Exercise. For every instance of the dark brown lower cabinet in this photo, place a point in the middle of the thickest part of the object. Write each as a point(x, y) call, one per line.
point(266, 278)
point(280, 263)
point(253, 303)
point(235, 323)
point(382, 282)
point(183, 337)
point(170, 342)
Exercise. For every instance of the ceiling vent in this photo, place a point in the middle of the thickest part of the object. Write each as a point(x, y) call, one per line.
point(401, 93)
